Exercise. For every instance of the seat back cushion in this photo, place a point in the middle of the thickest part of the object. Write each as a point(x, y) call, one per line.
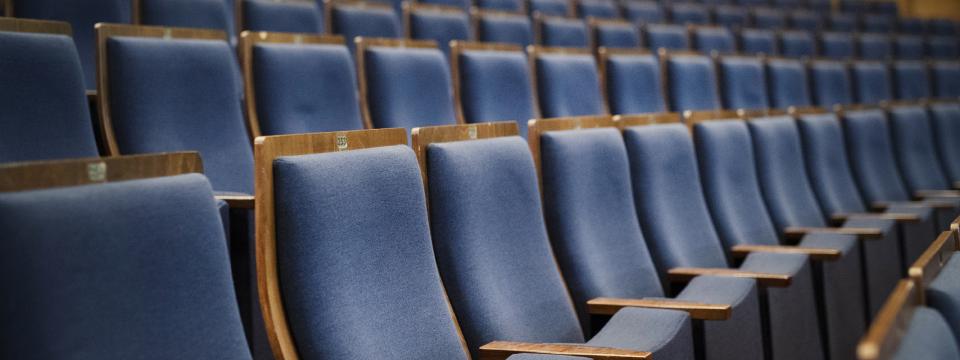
point(828, 164)
point(408, 87)
point(485, 76)
point(788, 83)
point(915, 148)
point(633, 84)
point(693, 83)
point(743, 83)
point(568, 85)
point(874, 164)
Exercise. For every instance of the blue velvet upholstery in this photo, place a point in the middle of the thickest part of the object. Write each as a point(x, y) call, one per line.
point(911, 80)
point(667, 36)
point(872, 82)
point(268, 15)
point(568, 85)
point(440, 26)
point(710, 39)
point(633, 84)
point(501, 5)
point(208, 14)
point(688, 13)
point(354, 253)
point(845, 22)
point(408, 87)
point(943, 47)
point(875, 46)
point(564, 32)
point(550, 7)
point(692, 83)
point(758, 41)
point(837, 45)
point(946, 79)
point(946, 125)
point(462, 4)
point(915, 149)
point(357, 20)
point(878, 23)
point(131, 269)
point(909, 47)
point(767, 18)
point(828, 165)
point(600, 9)
point(82, 16)
point(743, 83)
point(943, 294)
point(805, 20)
point(643, 12)
point(510, 29)
point(788, 83)
point(305, 88)
point(732, 17)
point(831, 83)
point(45, 114)
point(928, 337)
point(616, 35)
point(795, 43)
point(485, 76)
point(154, 87)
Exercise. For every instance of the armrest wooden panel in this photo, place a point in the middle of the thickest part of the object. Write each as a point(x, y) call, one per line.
point(814, 253)
point(238, 201)
point(764, 279)
point(898, 217)
point(883, 205)
point(699, 311)
point(861, 233)
point(499, 350)
point(936, 193)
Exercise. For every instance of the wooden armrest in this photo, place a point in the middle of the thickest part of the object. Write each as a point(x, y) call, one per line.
point(898, 217)
point(238, 201)
point(826, 254)
point(861, 233)
point(936, 193)
point(699, 311)
point(883, 205)
point(499, 350)
point(764, 279)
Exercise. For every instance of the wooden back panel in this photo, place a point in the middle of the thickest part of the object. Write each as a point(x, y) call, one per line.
point(266, 149)
point(424, 136)
point(539, 126)
point(932, 260)
point(104, 32)
point(625, 121)
point(364, 43)
point(250, 39)
point(34, 26)
point(885, 334)
point(457, 48)
point(534, 51)
point(37, 175)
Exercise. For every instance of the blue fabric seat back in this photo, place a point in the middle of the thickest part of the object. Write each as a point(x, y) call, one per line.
point(141, 268)
point(806, 20)
point(617, 35)
point(911, 79)
point(916, 151)
point(788, 83)
point(871, 154)
point(946, 125)
point(485, 76)
point(501, 5)
point(831, 83)
point(461, 4)
point(767, 18)
point(909, 47)
point(491, 244)
point(591, 218)
point(600, 9)
point(440, 26)
point(568, 85)
point(207, 14)
point(914, 26)
point(550, 7)
point(154, 87)
point(731, 17)
point(45, 114)
point(669, 199)
point(743, 83)
point(666, 36)
point(509, 29)
point(943, 47)
point(305, 88)
point(563, 32)
point(782, 174)
point(633, 84)
point(927, 337)
point(643, 12)
point(837, 45)
point(941, 27)
point(82, 16)
point(689, 13)
point(878, 23)
point(295, 17)
point(692, 83)
point(758, 41)
point(794, 44)
point(873, 83)
point(361, 258)
point(845, 22)
point(829, 168)
point(727, 165)
point(946, 79)
point(408, 87)
point(714, 39)
point(351, 21)
point(875, 47)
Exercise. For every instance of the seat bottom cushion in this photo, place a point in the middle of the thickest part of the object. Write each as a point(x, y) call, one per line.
point(668, 334)
point(943, 294)
point(927, 338)
point(743, 331)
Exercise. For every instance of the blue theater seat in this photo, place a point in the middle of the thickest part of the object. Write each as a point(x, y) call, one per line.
point(688, 13)
point(909, 47)
point(943, 47)
point(633, 83)
point(303, 88)
point(710, 39)
point(82, 16)
point(46, 113)
point(878, 23)
point(505, 28)
point(797, 44)
point(515, 6)
point(806, 20)
point(919, 332)
point(600, 9)
point(485, 75)
point(872, 81)
point(946, 79)
point(562, 32)
point(462, 5)
point(615, 34)
point(915, 149)
point(742, 83)
point(691, 82)
point(268, 15)
point(946, 125)
point(353, 19)
point(550, 7)
point(927, 337)
point(567, 83)
point(911, 80)
point(875, 46)
point(730, 16)
point(207, 14)
point(758, 41)
point(837, 45)
point(666, 36)
point(769, 18)
point(788, 83)
point(941, 27)
point(913, 26)
point(643, 12)
point(843, 22)
point(831, 83)
point(407, 84)
point(440, 24)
